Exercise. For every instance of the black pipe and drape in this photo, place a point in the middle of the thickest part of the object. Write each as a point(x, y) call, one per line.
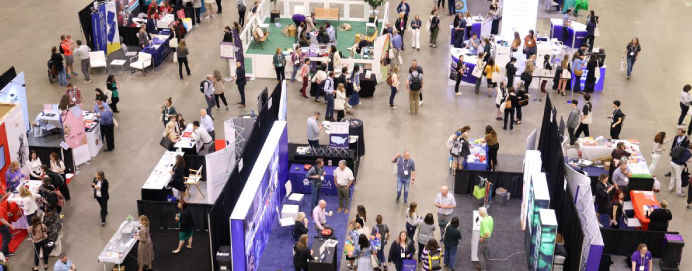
point(161, 214)
point(465, 180)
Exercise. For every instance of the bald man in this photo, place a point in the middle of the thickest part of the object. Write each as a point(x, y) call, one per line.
point(319, 216)
point(445, 204)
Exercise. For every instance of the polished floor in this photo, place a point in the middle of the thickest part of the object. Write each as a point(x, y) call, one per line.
point(650, 100)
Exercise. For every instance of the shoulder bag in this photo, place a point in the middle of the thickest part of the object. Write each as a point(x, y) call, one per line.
point(166, 143)
point(495, 75)
point(477, 72)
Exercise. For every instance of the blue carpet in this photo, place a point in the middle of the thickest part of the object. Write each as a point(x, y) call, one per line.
point(278, 254)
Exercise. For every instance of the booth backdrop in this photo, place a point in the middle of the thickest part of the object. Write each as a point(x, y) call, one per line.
point(161, 214)
point(465, 180)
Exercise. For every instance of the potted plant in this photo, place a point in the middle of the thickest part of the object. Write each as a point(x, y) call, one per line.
point(374, 4)
point(275, 13)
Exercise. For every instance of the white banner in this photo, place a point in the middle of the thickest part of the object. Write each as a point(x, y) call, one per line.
point(113, 36)
point(18, 145)
point(219, 165)
point(519, 16)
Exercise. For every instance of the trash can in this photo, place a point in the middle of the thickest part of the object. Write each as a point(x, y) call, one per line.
point(223, 258)
point(501, 195)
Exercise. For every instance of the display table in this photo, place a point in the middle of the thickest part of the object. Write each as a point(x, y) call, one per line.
point(158, 49)
point(636, 163)
point(296, 157)
point(476, 236)
point(165, 21)
point(469, 59)
point(367, 85)
point(479, 26)
point(642, 200)
point(187, 144)
point(49, 119)
point(576, 32)
point(325, 261)
point(155, 186)
point(296, 175)
point(117, 248)
point(478, 158)
point(14, 197)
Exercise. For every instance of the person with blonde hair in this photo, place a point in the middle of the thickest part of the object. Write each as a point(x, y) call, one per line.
point(301, 226)
point(302, 254)
point(660, 217)
point(394, 86)
point(279, 62)
point(100, 186)
point(182, 53)
point(170, 131)
point(28, 202)
point(565, 75)
point(145, 249)
point(219, 89)
point(340, 102)
point(14, 176)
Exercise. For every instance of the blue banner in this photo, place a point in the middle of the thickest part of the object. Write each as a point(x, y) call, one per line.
point(100, 31)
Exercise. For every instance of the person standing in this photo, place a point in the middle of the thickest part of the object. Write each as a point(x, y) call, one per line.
point(415, 28)
point(54, 225)
point(659, 217)
point(591, 72)
point(684, 104)
point(511, 101)
point(219, 89)
point(632, 52)
point(66, 50)
point(590, 32)
point(491, 68)
point(6, 229)
point(405, 174)
point(100, 187)
point(577, 72)
point(145, 250)
point(642, 260)
point(658, 148)
point(586, 117)
point(565, 25)
point(343, 179)
point(196, 19)
point(459, 28)
point(279, 62)
point(28, 201)
point(621, 176)
point(39, 235)
point(402, 249)
point(167, 111)
point(425, 233)
point(412, 219)
point(302, 254)
point(486, 232)
point(83, 53)
point(186, 224)
point(452, 237)
point(414, 84)
point(394, 86)
point(314, 130)
point(398, 46)
point(106, 120)
point(201, 136)
point(304, 74)
point(340, 102)
point(431, 250)
point(603, 200)
point(434, 27)
point(355, 81)
point(616, 121)
point(182, 52)
point(329, 97)
point(58, 67)
point(297, 61)
point(573, 122)
point(530, 44)
point(242, 8)
point(511, 70)
point(460, 69)
point(207, 88)
point(209, 4)
point(677, 165)
point(445, 203)
point(113, 86)
point(241, 81)
point(316, 176)
point(545, 73)
point(208, 123)
point(381, 229)
point(493, 146)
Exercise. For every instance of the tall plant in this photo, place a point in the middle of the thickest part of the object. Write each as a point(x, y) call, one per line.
point(273, 1)
point(374, 3)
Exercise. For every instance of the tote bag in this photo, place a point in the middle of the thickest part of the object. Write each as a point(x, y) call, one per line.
point(477, 72)
point(408, 265)
point(496, 75)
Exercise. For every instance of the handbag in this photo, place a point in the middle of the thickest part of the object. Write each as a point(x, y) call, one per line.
point(477, 72)
point(595, 32)
point(622, 65)
point(173, 43)
point(525, 76)
point(579, 73)
point(496, 76)
point(545, 73)
point(166, 143)
point(478, 192)
point(685, 176)
point(391, 53)
point(453, 75)
point(374, 261)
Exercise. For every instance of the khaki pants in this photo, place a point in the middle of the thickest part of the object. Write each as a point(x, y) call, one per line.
point(342, 192)
point(413, 99)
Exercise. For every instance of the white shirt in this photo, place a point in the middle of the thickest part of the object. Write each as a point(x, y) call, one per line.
point(83, 52)
point(319, 216)
point(685, 98)
point(448, 200)
point(329, 86)
point(98, 191)
point(343, 177)
point(207, 123)
point(28, 204)
point(200, 135)
point(35, 166)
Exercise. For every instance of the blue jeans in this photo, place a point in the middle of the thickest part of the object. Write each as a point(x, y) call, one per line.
point(391, 96)
point(450, 5)
point(293, 74)
point(683, 112)
point(315, 190)
point(458, 38)
point(62, 77)
point(355, 99)
point(630, 65)
point(380, 254)
point(450, 257)
point(330, 106)
point(405, 183)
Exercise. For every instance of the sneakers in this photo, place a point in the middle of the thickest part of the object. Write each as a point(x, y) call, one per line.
point(393, 107)
point(681, 195)
point(87, 81)
point(405, 204)
point(207, 17)
point(434, 46)
point(458, 94)
point(420, 103)
point(217, 109)
point(397, 200)
point(74, 73)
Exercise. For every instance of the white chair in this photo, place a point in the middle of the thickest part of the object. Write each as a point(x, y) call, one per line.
point(284, 221)
point(290, 210)
point(98, 60)
point(292, 196)
point(143, 61)
point(572, 153)
point(128, 55)
point(369, 25)
point(193, 179)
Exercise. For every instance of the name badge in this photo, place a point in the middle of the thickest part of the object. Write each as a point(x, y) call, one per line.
point(632, 53)
point(322, 178)
point(405, 172)
point(641, 268)
point(403, 255)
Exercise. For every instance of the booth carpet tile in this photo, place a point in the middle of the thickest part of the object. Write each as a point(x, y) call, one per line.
point(344, 39)
point(164, 242)
point(507, 237)
point(278, 254)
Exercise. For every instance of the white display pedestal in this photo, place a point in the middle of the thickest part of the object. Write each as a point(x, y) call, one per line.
point(475, 236)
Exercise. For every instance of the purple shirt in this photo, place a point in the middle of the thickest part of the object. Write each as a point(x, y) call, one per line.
point(639, 260)
point(14, 178)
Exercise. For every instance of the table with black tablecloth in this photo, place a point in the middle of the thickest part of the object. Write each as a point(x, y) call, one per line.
point(355, 128)
point(296, 175)
point(367, 85)
point(329, 262)
point(295, 158)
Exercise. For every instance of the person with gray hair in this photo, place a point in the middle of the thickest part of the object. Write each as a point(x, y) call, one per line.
point(343, 179)
point(207, 87)
point(314, 130)
point(486, 232)
point(405, 172)
point(445, 203)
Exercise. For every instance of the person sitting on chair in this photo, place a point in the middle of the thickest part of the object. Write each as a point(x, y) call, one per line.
point(358, 47)
point(304, 41)
point(322, 36)
point(331, 32)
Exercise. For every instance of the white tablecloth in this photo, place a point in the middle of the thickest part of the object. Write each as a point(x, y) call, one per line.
point(161, 175)
point(49, 119)
point(636, 163)
point(115, 251)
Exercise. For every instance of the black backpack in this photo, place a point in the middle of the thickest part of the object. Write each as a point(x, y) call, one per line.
point(416, 82)
point(201, 86)
point(241, 8)
point(62, 51)
point(677, 151)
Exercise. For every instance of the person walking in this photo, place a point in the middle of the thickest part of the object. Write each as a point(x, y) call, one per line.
point(511, 70)
point(685, 100)
point(145, 250)
point(493, 146)
point(240, 81)
point(394, 86)
point(414, 84)
point(182, 52)
point(415, 29)
point(381, 231)
point(242, 8)
point(340, 102)
point(329, 96)
point(106, 121)
point(590, 32)
point(114, 98)
point(39, 235)
point(219, 89)
point(412, 219)
point(400, 26)
point(304, 74)
point(460, 69)
point(585, 117)
point(302, 254)
point(430, 256)
point(486, 232)
point(405, 174)
point(616, 121)
point(398, 46)
point(445, 203)
point(363, 252)
point(632, 53)
point(573, 122)
point(425, 233)
point(279, 63)
point(58, 67)
point(434, 27)
point(355, 80)
point(316, 176)
point(83, 53)
point(658, 148)
point(511, 101)
point(207, 88)
point(343, 179)
point(491, 68)
point(314, 130)
point(402, 249)
point(186, 224)
point(677, 165)
point(452, 237)
point(100, 187)
point(297, 58)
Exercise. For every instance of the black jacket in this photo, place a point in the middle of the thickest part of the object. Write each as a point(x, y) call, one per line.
point(104, 188)
point(601, 194)
point(177, 180)
point(299, 229)
point(57, 62)
point(395, 252)
point(659, 219)
point(240, 73)
point(228, 37)
point(301, 258)
point(186, 221)
point(683, 143)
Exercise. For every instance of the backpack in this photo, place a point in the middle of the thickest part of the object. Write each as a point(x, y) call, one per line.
point(61, 198)
point(62, 51)
point(676, 152)
point(389, 80)
point(456, 147)
point(241, 7)
point(201, 86)
point(434, 260)
point(416, 82)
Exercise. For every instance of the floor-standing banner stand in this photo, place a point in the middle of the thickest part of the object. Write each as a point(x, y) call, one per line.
point(519, 16)
point(72, 121)
point(228, 53)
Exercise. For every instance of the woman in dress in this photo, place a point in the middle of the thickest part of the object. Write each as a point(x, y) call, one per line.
point(28, 202)
point(219, 89)
point(100, 187)
point(145, 249)
point(186, 225)
point(167, 110)
point(355, 80)
point(178, 176)
point(402, 249)
point(302, 254)
point(618, 201)
point(39, 235)
point(565, 75)
point(113, 86)
point(35, 166)
point(340, 102)
point(603, 199)
point(362, 253)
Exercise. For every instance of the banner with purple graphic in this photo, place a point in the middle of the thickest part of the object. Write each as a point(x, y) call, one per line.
point(338, 134)
point(98, 24)
point(600, 80)
point(113, 36)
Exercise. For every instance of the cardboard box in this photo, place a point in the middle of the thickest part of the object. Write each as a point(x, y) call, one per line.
point(501, 195)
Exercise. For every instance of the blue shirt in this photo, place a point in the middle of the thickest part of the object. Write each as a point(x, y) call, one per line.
point(60, 266)
point(404, 165)
point(106, 117)
point(565, 20)
point(207, 123)
point(576, 65)
point(396, 42)
point(96, 107)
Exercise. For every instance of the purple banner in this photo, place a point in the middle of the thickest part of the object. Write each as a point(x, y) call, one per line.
point(98, 24)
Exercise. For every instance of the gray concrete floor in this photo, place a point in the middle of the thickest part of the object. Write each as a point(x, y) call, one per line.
point(650, 100)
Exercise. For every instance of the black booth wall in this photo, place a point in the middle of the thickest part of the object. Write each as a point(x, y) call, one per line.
point(220, 213)
point(161, 214)
point(625, 242)
point(43, 153)
point(7, 77)
point(85, 22)
point(465, 180)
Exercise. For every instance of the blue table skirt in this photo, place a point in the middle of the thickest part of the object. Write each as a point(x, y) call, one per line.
point(582, 79)
point(468, 78)
point(160, 54)
point(475, 28)
point(296, 177)
point(573, 41)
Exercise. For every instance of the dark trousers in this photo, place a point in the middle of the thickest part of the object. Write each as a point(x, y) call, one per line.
point(197, 19)
point(492, 155)
point(577, 84)
point(104, 208)
point(46, 251)
point(329, 114)
point(615, 131)
point(527, 83)
point(572, 137)
point(218, 6)
point(114, 104)
point(494, 29)
point(210, 104)
point(518, 112)
point(6, 238)
point(456, 87)
point(582, 128)
point(391, 96)
point(450, 6)
point(510, 80)
point(241, 18)
point(212, 134)
point(107, 130)
point(683, 112)
point(339, 115)
point(458, 38)
point(565, 34)
point(410, 229)
point(223, 99)
point(420, 94)
point(241, 90)
point(590, 84)
point(420, 250)
point(181, 61)
point(509, 114)
point(280, 75)
point(589, 39)
point(441, 3)
point(314, 144)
